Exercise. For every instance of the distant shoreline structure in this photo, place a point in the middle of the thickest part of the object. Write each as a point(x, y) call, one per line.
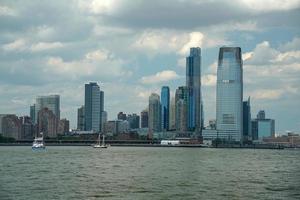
point(232, 146)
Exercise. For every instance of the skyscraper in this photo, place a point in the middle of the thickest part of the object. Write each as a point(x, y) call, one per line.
point(193, 83)
point(47, 122)
point(80, 118)
point(92, 107)
point(134, 121)
point(165, 107)
point(144, 119)
point(230, 93)
point(261, 115)
point(154, 113)
point(172, 114)
point(52, 102)
point(181, 108)
point(247, 135)
point(32, 113)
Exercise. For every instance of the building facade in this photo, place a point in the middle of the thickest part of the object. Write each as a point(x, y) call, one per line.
point(193, 83)
point(10, 126)
point(47, 123)
point(134, 121)
point(229, 106)
point(172, 121)
point(144, 119)
point(92, 107)
point(165, 107)
point(247, 135)
point(80, 118)
point(181, 108)
point(52, 102)
point(154, 120)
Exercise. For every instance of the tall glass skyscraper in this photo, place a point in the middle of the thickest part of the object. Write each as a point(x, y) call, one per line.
point(230, 93)
point(165, 107)
point(193, 82)
point(92, 107)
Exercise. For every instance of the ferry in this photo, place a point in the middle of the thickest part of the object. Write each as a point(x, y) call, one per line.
point(38, 143)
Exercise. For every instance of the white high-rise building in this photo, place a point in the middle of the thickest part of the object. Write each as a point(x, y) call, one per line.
point(230, 93)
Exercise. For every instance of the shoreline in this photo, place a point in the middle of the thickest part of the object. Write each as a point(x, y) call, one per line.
point(157, 145)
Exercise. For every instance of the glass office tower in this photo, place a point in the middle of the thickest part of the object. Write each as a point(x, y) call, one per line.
point(92, 107)
point(193, 83)
point(52, 102)
point(230, 93)
point(165, 107)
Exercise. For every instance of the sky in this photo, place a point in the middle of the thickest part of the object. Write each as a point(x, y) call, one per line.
point(133, 48)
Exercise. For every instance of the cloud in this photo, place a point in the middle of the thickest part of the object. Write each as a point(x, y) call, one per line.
point(42, 46)
point(6, 11)
point(160, 77)
point(17, 45)
point(209, 80)
point(271, 5)
point(292, 45)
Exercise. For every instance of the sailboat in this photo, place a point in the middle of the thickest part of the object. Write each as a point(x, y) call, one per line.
point(98, 145)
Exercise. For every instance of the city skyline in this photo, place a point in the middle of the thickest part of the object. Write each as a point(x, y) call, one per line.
point(60, 59)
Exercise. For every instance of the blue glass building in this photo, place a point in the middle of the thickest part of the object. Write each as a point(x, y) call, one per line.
point(230, 93)
point(93, 103)
point(165, 107)
point(193, 83)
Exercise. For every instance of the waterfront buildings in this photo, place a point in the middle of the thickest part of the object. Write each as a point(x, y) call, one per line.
point(47, 123)
point(122, 116)
point(52, 102)
point(32, 113)
point(115, 127)
point(80, 118)
point(63, 127)
point(10, 126)
point(229, 105)
point(92, 107)
point(28, 127)
point(154, 120)
point(144, 119)
point(262, 127)
point(165, 107)
point(134, 121)
point(193, 83)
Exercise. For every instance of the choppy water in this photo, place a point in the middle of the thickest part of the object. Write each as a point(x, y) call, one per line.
point(148, 173)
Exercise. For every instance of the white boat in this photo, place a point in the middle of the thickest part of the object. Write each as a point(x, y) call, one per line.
point(98, 145)
point(38, 143)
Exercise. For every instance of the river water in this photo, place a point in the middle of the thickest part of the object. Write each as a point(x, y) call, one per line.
point(148, 173)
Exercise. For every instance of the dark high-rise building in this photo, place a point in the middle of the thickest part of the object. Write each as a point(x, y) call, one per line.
point(122, 116)
point(261, 115)
point(193, 83)
point(144, 119)
point(165, 107)
point(80, 118)
point(93, 103)
point(254, 128)
point(230, 93)
point(247, 120)
point(134, 121)
point(32, 113)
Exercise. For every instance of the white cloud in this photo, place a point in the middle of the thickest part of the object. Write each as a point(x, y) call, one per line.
point(271, 5)
point(209, 80)
point(42, 46)
point(6, 11)
point(98, 6)
point(17, 45)
point(98, 55)
point(292, 45)
point(159, 77)
point(195, 40)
